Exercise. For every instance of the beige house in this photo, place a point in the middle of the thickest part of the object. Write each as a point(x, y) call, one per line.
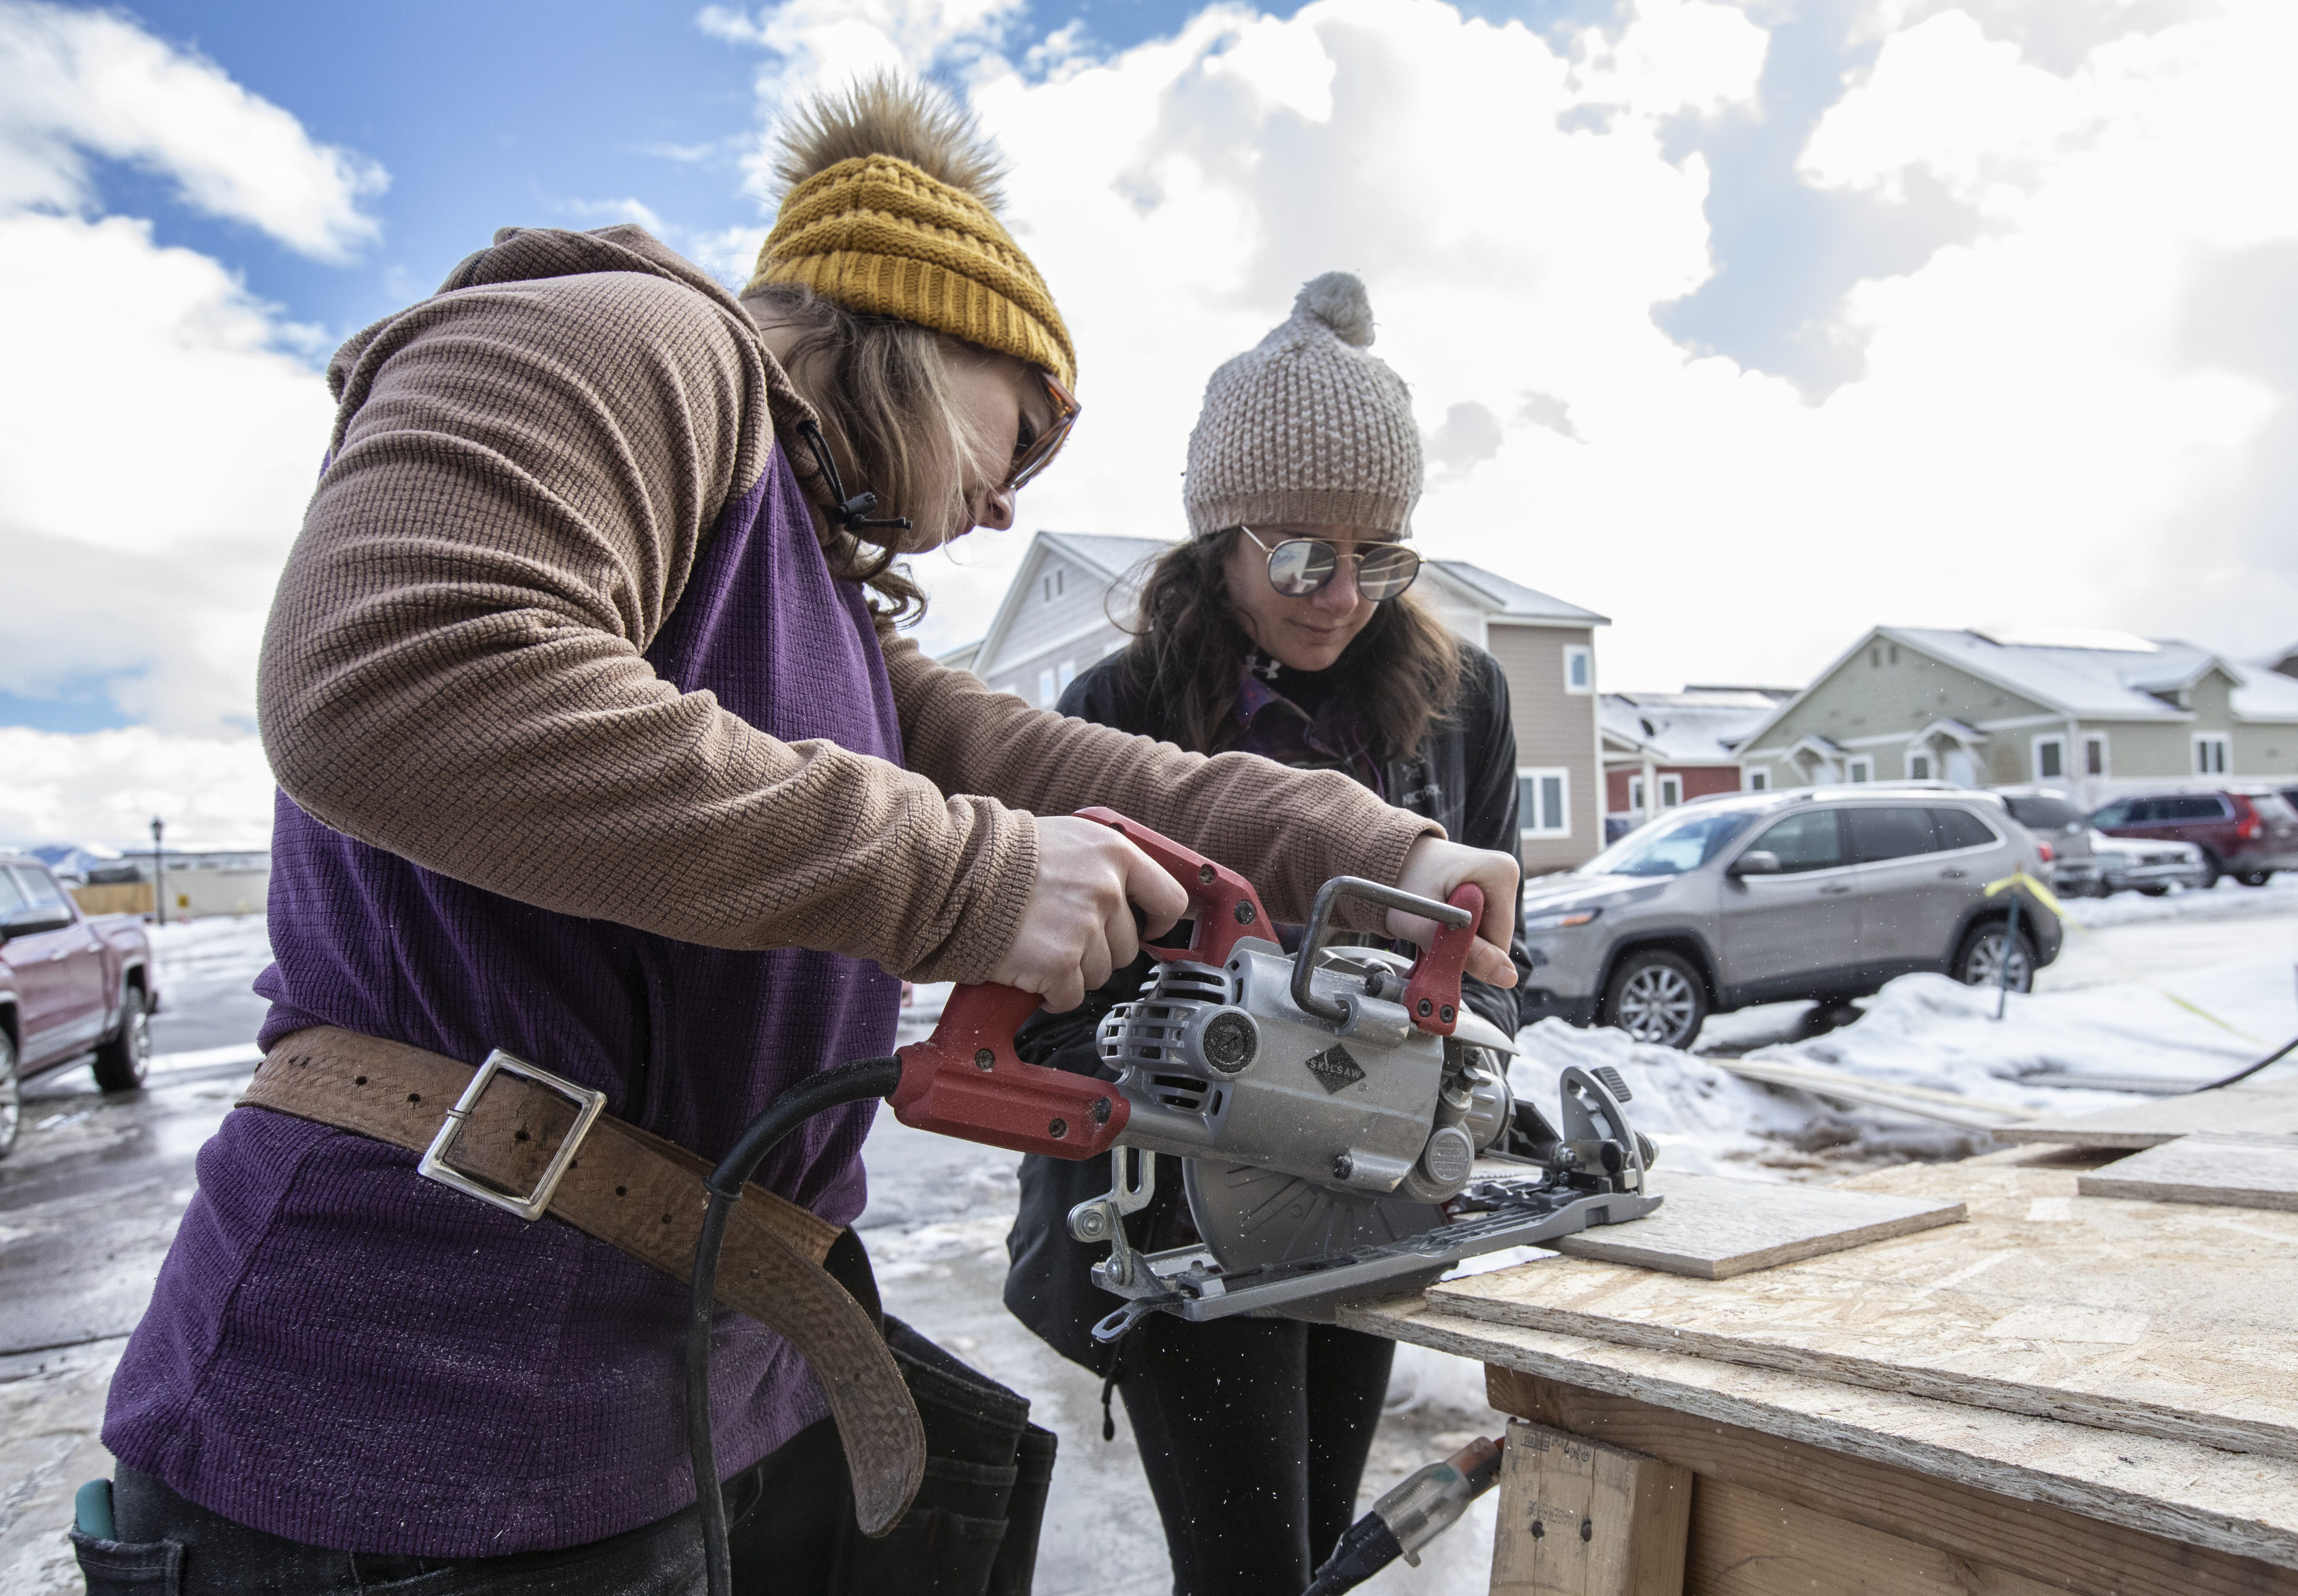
point(2093, 713)
point(1056, 620)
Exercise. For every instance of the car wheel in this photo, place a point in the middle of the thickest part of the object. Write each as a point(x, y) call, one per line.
point(1657, 998)
point(2255, 878)
point(12, 1094)
point(1979, 963)
point(2211, 871)
point(124, 1057)
point(2159, 890)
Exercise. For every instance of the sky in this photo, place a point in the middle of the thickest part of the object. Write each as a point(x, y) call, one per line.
point(1749, 324)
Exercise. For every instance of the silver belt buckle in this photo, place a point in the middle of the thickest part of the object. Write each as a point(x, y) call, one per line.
point(589, 1105)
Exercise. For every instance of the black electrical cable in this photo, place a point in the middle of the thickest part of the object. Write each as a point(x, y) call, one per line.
point(848, 1083)
point(2244, 1074)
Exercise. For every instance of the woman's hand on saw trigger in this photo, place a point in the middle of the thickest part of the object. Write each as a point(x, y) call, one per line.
point(1435, 868)
point(1078, 926)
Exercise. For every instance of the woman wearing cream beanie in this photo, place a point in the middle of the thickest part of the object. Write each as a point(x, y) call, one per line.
point(1284, 627)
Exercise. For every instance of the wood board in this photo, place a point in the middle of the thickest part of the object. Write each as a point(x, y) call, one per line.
point(2098, 1506)
point(1712, 1227)
point(2155, 1319)
point(2267, 1107)
point(1923, 1102)
point(1580, 1519)
point(2232, 1172)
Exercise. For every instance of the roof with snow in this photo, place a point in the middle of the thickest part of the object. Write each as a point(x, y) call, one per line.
point(1699, 725)
point(2107, 676)
point(1504, 600)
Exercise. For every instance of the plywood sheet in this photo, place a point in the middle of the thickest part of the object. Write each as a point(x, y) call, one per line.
point(2155, 1319)
point(2231, 1171)
point(2264, 1108)
point(1890, 1446)
point(1713, 1228)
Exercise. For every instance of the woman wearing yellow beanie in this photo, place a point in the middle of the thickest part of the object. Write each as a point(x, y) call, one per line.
point(597, 745)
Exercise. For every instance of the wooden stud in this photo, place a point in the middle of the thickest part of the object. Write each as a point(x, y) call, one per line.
point(1580, 1518)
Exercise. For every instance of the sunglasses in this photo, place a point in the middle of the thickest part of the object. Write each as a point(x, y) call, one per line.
point(1038, 453)
point(1299, 567)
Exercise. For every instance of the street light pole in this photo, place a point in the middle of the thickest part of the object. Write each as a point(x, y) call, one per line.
point(159, 880)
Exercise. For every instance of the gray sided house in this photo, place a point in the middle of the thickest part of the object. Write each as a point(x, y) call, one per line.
point(2094, 712)
point(1055, 621)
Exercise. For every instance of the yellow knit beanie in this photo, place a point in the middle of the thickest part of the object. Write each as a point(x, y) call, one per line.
point(877, 236)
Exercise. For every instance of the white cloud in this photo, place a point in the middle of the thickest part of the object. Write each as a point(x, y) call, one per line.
point(105, 787)
point(79, 82)
point(2033, 437)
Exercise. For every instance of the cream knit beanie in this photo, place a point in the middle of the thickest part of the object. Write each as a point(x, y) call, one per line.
point(1309, 426)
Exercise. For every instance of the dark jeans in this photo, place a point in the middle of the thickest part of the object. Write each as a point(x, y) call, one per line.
point(171, 1547)
point(1253, 1433)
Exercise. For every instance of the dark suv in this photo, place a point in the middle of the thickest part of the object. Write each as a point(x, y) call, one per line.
point(1823, 894)
point(2248, 834)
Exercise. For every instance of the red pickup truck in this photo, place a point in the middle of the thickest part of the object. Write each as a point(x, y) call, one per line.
point(68, 985)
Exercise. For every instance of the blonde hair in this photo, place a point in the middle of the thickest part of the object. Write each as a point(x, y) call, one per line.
point(881, 386)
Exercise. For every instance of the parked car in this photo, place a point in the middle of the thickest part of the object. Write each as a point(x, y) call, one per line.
point(2153, 868)
point(2248, 833)
point(69, 986)
point(1821, 894)
point(2063, 833)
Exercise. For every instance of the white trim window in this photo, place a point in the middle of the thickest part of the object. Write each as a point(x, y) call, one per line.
point(2095, 762)
point(1862, 769)
point(2050, 758)
point(1670, 791)
point(1049, 688)
point(1579, 668)
point(1635, 795)
point(2211, 754)
point(1759, 779)
point(1919, 765)
point(1544, 801)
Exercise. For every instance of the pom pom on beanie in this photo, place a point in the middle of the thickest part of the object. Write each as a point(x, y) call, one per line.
point(1308, 427)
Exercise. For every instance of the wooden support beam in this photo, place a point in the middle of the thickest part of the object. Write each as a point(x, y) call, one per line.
point(1580, 1518)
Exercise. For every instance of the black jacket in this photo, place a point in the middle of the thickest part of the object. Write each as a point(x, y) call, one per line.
point(1463, 777)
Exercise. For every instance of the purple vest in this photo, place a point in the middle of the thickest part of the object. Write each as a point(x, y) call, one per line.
point(345, 1354)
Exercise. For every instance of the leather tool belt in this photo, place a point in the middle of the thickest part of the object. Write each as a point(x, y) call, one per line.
point(534, 1145)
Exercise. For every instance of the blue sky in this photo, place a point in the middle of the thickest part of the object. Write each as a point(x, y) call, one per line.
point(1749, 323)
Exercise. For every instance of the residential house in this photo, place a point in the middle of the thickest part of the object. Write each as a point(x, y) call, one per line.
point(1062, 613)
point(2091, 711)
point(1661, 748)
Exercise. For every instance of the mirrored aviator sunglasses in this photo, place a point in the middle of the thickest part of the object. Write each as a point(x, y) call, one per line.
point(1038, 453)
point(1299, 567)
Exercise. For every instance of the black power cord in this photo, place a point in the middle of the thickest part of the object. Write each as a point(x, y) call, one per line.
point(2244, 1074)
point(832, 1088)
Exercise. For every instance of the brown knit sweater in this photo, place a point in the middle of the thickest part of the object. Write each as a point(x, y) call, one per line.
point(524, 471)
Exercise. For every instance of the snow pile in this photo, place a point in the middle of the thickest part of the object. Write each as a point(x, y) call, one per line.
point(1927, 1030)
point(1698, 1114)
point(2229, 900)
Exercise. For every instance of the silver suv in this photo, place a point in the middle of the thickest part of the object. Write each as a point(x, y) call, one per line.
point(1821, 894)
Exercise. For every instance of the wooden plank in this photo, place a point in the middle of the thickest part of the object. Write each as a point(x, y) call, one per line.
point(1580, 1518)
point(2064, 1550)
point(1746, 1543)
point(2154, 1319)
point(1713, 1228)
point(2233, 1172)
point(2265, 1107)
point(1923, 1103)
point(2027, 1493)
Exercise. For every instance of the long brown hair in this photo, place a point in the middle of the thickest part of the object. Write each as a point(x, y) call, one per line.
point(1189, 646)
point(881, 387)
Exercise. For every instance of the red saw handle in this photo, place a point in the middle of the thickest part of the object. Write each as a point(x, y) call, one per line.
point(1432, 997)
point(966, 1082)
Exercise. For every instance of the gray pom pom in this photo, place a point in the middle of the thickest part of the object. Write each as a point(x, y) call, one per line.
point(1339, 300)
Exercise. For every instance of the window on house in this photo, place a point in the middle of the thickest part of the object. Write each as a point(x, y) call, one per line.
point(1875, 659)
point(1544, 805)
point(1053, 582)
point(1049, 688)
point(1919, 767)
point(1635, 793)
point(2050, 758)
point(1068, 674)
point(1859, 770)
point(2093, 754)
point(2210, 754)
point(1579, 668)
point(1670, 791)
point(1759, 781)
point(1893, 651)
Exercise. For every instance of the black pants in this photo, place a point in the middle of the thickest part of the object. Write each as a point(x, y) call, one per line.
point(1253, 1433)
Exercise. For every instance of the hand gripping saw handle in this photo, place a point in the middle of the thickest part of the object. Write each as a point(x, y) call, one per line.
point(965, 1081)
